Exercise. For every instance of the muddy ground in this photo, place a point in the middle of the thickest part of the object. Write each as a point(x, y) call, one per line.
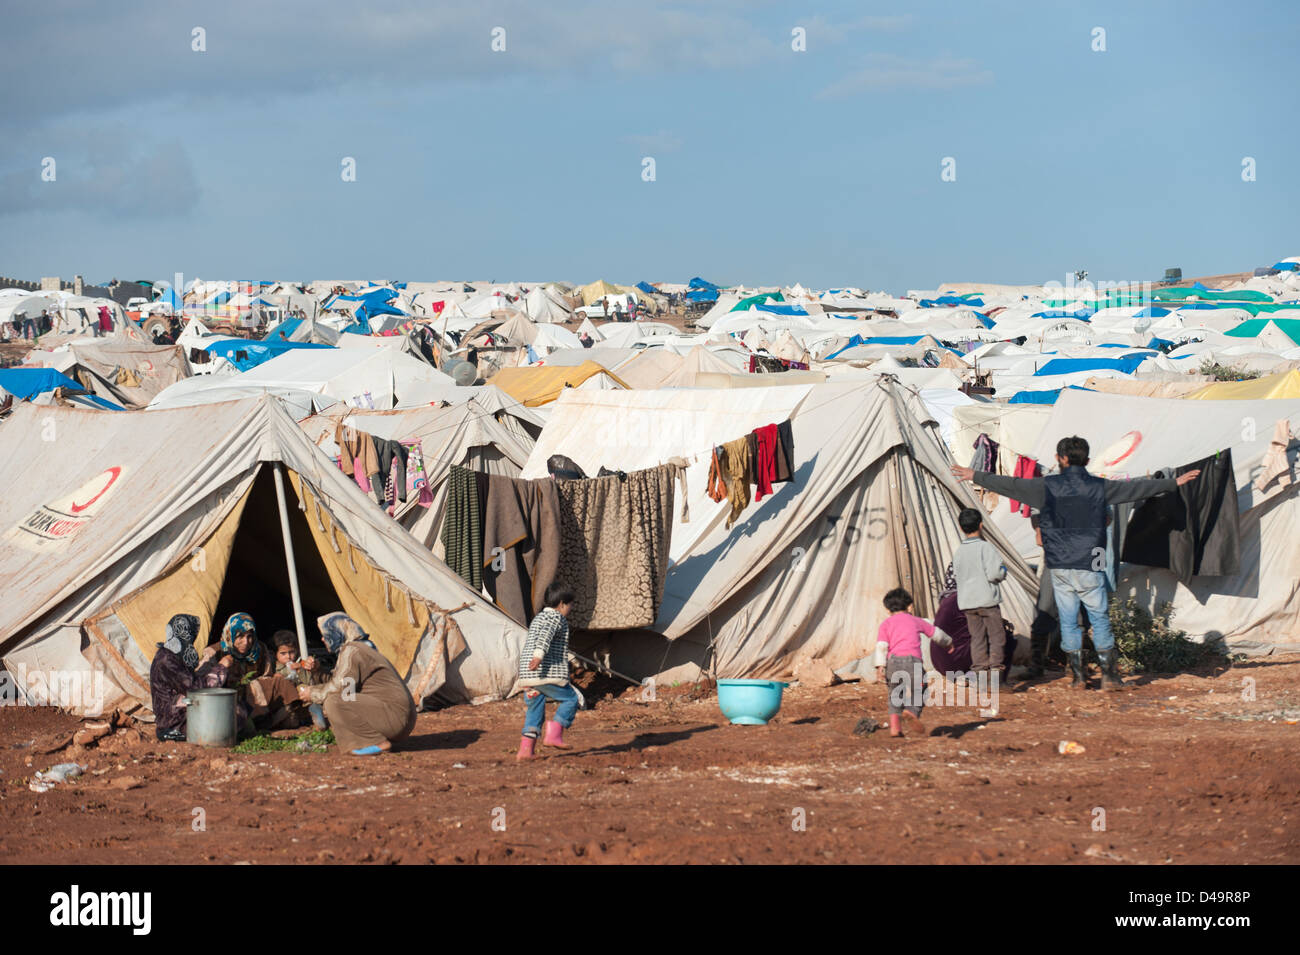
point(1184, 768)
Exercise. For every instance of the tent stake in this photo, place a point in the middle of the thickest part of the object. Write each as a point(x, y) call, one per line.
point(288, 557)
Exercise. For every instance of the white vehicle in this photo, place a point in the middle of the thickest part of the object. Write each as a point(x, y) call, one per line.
point(608, 307)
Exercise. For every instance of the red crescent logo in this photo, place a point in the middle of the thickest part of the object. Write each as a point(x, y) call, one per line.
point(114, 474)
point(1137, 439)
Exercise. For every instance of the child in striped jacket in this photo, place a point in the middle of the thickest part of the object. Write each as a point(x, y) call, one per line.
point(544, 673)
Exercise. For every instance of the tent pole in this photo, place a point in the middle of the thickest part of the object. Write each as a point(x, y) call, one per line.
point(288, 557)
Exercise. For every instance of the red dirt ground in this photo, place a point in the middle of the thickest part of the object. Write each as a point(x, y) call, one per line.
point(1185, 769)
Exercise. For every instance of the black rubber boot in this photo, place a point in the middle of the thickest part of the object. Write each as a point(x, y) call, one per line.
point(1110, 678)
point(1078, 672)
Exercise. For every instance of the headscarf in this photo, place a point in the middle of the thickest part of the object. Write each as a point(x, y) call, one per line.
point(238, 624)
point(182, 631)
point(949, 582)
point(337, 629)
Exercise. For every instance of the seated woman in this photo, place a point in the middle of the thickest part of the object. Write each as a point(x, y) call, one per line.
point(367, 704)
point(275, 697)
point(246, 659)
point(173, 674)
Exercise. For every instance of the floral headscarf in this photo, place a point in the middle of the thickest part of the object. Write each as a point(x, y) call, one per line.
point(949, 582)
point(237, 625)
point(337, 629)
point(182, 630)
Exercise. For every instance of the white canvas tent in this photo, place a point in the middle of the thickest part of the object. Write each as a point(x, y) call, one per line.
point(543, 305)
point(1256, 610)
point(801, 575)
point(381, 378)
point(148, 514)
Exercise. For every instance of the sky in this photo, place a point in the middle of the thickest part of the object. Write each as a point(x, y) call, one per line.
point(887, 146)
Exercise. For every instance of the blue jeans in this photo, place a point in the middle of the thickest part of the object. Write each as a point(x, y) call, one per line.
point(567, 698)
point(1086, 587)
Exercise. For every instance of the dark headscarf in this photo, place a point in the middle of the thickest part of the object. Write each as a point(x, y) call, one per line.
point(337, 629)
point(237, 625)
point(182, 631)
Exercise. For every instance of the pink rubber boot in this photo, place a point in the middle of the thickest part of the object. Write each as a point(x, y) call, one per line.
point(553, 735)
point(526, 744)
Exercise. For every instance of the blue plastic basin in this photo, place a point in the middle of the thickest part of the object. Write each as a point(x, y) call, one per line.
point(750, 702)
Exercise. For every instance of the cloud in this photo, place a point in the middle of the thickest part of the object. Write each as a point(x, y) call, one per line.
point(263, 52)
point(820, 30)
point(656, 143)
point(889, 71)
point(153, 183)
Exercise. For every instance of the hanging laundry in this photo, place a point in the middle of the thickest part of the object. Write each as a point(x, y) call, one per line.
point(1277, 466)
point(462, 527)
point(417, 479)
point(356, 447)
point(785, 453)
point(1193, 532)
point(614, 537)
point(986, 455)
point(521, 542)
point(765, 460)
point(1025, 468)
point(730, 475)
point(392, 464)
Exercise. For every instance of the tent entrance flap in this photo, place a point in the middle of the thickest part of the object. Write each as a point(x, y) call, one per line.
point(125, 634)
point(257, 580)
point(241, 567)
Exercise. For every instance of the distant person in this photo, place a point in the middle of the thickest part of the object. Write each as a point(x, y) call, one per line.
point(898, 659)
point(544, 673)
point(979, 569)
point(1072, 519)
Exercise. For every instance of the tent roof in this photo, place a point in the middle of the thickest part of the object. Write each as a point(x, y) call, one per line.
point(1285, 384)
point(391, 378)
point(542, 384)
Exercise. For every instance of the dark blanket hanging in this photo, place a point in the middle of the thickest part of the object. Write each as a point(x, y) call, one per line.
point(1192, 532)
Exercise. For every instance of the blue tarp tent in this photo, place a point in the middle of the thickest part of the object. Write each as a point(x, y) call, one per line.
point(698, 282)
point(27, 383)
point(1064, 366)
point(647, 288)
point(171, 298)
point(1040, 397)
point(857, 340)
point(254, 352)
point(284, 330)
point(782, 309)
point(953, 301)
point(1083, 314)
